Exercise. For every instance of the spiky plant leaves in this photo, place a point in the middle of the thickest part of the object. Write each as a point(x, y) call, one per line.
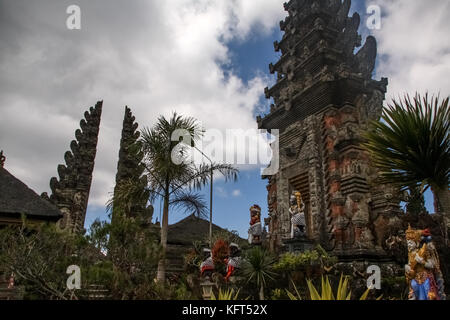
point(411, 145)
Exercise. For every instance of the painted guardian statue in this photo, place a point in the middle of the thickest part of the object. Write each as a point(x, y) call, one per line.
point(234, 261)
point(297, 212)
point(207, 266)
point(423, 270)
point(255, 230)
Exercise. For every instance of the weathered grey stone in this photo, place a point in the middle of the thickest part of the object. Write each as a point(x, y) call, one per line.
point(70, 193)
point(130, 167)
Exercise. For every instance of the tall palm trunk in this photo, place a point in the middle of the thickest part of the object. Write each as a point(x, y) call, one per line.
point(442, 206)
point(161, 275)
point(261, 292)
point(443, 200)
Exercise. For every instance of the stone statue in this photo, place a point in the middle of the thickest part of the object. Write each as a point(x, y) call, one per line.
point(297, 213)
point(207, 266)
point(255, 230)
point(359, 208)
point(234, 261)
point(423, 271)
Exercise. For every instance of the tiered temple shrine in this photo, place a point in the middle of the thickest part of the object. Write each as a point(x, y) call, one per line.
point(323, 101)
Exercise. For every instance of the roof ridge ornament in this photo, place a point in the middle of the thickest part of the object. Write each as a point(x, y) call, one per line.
point(2, 159)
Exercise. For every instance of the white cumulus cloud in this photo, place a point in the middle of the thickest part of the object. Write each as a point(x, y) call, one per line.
point(414, 46)
point(154, 56)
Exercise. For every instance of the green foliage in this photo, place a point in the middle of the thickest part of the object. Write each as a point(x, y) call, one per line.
point(411, 145)
point(176, 181)
point(294, 296)
point(39, 255)
point(130, 198)
point(194, 258)
point(415, 201)
point(277, 294)
point(290, 262)
point(101, 272)
point(228, 294)
point(132, 251)
point(343, 291)
point(120, 258)
point(396, 288)
point(178, 289)
point(257, 268)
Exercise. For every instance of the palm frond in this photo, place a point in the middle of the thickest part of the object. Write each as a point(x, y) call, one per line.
point(128, 193)
point(198, 176)
point(191, 202)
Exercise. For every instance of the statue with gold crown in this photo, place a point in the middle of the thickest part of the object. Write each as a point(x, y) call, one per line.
point(297, 212)
point(423, 269)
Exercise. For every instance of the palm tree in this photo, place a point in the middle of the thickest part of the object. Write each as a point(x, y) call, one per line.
point(411, 147)
point(176, 181)
point(258, 268)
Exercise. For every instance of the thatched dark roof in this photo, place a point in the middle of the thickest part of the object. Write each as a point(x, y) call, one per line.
point(189, 230)
point(16, 199)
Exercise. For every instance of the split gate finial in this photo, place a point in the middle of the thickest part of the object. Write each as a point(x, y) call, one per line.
point(2, 159)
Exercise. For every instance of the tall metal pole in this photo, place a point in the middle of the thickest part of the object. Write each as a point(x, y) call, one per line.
point(210, 197)
point(210, 208)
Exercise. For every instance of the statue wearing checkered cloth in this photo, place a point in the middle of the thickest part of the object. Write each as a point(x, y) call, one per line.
point(234, 261)
point(255, 230)
point(297, 212)
point(207, 266)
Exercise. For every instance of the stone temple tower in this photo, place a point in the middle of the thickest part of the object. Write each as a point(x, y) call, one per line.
point(324, 99)
point(130, 168)
point(71, 192)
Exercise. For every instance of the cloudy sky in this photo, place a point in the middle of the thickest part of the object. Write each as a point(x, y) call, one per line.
point(204, 58)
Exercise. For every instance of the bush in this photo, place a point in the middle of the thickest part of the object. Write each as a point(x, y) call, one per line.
point(317, 258)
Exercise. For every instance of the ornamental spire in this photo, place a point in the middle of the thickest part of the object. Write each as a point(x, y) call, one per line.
point(130, 168)
point(2, 159)
point(71, 192)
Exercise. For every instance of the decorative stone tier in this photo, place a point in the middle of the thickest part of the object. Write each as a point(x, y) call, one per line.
point(298, 245)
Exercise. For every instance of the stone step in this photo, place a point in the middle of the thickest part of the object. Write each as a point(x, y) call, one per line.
point(11, 294)
point(97, 292)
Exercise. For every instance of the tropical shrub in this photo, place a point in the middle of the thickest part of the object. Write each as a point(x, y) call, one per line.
point(38, 256)
point(343, 291)
point(257, 269)
point(296, 268)
point(411, 146)
point(228, 294)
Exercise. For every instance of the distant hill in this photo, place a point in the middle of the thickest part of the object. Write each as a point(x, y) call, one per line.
point(191, 229)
